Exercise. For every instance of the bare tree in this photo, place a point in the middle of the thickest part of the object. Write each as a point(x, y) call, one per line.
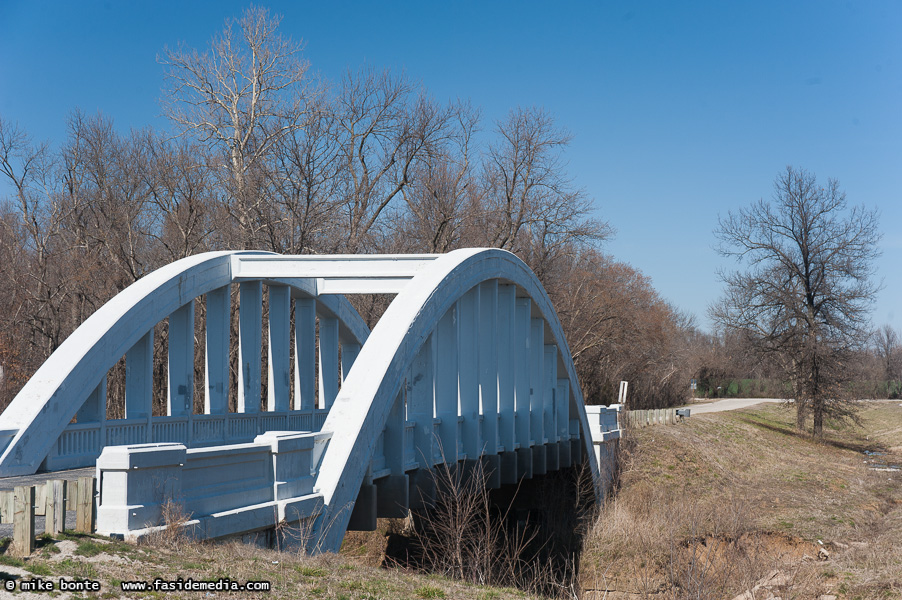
point(806, 286)
point(303, 178)
point(35, 228)
point(438, 205)
point(243, 96)
point(107, 212)
point(386, 126)
point(180, 184)
point(530, 205)
point(889, 351)
point(618, 328)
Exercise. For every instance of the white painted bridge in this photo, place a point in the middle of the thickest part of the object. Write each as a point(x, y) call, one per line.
point(467, 365)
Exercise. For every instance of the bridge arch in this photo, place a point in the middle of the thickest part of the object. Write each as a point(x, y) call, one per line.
point(468, 363)
point(72, 381)
point(461, 295)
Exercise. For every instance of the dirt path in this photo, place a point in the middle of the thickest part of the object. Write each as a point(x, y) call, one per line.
point(729, 404)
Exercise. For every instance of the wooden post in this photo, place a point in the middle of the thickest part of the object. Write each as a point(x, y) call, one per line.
point(55, 514)
point(71, 494)
point(23, 522)
point(7, 506)
point(84, 510)
point(40, 500)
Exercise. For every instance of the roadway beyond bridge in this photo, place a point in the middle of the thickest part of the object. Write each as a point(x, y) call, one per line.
point(331, 425)
point(730, 404)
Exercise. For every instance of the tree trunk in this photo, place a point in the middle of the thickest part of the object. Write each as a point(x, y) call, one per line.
point(801, 413)
point(818, 406)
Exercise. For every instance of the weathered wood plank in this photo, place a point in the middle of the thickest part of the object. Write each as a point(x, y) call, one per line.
point(23, 522)
point(40, 500)
point(84, 510)
point(7, 506)
point(71, 494)
point(55, 515)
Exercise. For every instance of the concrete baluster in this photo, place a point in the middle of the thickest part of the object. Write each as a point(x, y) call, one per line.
point(549, 417)
point(349, 352)
point(328, 361)
point(216, 393)
point(421, 410)
point(180, 397)
point(94, 411)
point(506, 350)
point(537, 396)
point(392, 491)
point(421, 402)
point(305, 354)
point(468, 370)
point(562, 400)
point(446, 398)
point(250, 341)
point(522, 395)
point(279, 371)
point(139, 383)
point(488, 379)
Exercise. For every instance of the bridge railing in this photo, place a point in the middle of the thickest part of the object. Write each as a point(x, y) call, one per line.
point(413, 458)
point(61, 417)
point(213, 491)
point(81, 443)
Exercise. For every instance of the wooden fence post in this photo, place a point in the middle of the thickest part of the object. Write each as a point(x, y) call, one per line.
point(71, 494)
point(55, 514)
point(40, 500)
point(7, 506)
point(84, 510)
point(23, 522)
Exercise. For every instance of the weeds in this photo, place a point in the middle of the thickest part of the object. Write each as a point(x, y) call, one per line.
point(428, 591)
point(527, 536)
point(89, 548)
point(174, 533)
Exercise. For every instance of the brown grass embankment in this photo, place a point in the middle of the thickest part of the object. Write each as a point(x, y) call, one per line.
point(725, 503)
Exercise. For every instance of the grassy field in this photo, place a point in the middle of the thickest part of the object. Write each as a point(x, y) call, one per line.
point(720, 504)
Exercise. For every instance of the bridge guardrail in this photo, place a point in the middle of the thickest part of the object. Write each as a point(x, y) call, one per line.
point(655, 416)
point(219, 491)
point(80, 443)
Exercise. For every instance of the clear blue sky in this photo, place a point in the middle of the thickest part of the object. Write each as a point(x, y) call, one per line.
point(680, 111)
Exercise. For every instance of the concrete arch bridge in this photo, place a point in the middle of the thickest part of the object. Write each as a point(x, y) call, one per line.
point(334, 425)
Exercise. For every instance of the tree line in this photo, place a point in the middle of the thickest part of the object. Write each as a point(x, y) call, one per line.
point(262, 154)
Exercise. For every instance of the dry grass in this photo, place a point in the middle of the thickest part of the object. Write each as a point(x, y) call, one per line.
point(526, 537)
point(712, 507)
point(706, 509)
point(175, 531)
point(292, 576)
